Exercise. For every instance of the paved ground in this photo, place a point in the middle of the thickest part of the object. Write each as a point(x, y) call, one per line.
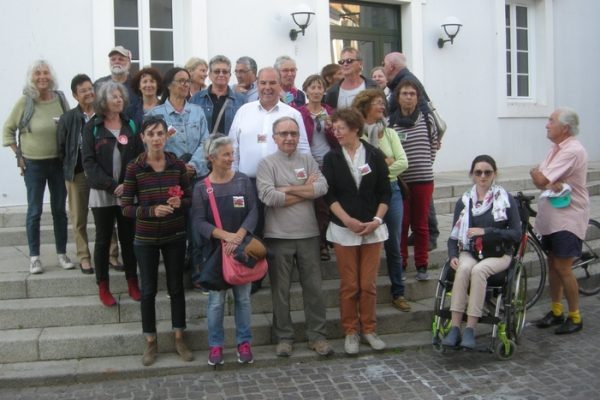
point(546, 366)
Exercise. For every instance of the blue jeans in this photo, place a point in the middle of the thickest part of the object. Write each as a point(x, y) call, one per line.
point(393, 220)
point(37, 173)
point(216, 313)
point(148, 257)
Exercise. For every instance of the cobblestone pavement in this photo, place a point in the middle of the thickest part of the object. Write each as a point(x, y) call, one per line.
point(545, 366)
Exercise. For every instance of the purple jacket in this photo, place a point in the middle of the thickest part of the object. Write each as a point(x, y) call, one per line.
point(309, 124)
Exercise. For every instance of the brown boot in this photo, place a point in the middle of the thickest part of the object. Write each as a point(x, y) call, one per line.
point(133, 289)
point(105, 295)
point(182, 349)
point(150, 353)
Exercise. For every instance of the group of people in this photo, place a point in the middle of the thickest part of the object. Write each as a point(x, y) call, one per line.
point(341, 162)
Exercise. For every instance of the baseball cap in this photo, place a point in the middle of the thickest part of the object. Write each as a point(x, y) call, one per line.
point(121, 50)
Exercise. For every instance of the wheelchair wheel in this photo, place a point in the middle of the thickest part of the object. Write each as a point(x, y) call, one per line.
point(515, 318)
point(505, 353)
point(534, 263)
point(587, 267)
point(441, 313)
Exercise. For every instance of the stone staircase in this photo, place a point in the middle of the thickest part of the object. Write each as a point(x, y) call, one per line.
point(54, 329)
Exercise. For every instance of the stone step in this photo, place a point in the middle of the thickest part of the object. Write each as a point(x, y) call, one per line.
point(100, 369)
point(87, 310)
point(102, 340)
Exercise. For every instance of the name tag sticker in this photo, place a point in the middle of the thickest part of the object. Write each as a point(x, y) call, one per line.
point(300, 173)
point(261, 138)
point(364, 169)
point(239, 202)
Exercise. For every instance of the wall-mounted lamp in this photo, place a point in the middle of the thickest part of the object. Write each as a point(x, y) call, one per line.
point(451, 26)
point(302, 17)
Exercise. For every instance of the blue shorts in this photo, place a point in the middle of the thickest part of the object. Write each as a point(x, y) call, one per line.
point(562, 244)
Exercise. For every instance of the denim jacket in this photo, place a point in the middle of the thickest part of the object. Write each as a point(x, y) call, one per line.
point(203, 99)
point(192, 132)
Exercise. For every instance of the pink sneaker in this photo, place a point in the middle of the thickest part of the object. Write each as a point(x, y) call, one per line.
point(244, 353)
point(215, 357)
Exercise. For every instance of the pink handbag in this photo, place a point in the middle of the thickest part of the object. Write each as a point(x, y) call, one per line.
point(234, 272)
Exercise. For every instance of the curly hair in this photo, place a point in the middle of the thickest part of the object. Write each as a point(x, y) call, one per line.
point(153, 73)
point(30, 89)
point(362, 101)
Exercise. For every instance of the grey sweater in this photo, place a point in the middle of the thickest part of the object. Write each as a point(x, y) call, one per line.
point(297, 221)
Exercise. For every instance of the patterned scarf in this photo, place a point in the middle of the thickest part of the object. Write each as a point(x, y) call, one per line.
point(495, 198)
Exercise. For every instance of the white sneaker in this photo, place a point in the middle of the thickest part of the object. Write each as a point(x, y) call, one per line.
point(351, 344)
point(65, 262)
point(374, 341)
point(35, 266)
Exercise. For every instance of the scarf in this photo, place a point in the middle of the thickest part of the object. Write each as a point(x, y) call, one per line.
point(404, 121)
point(372, 131)
point(496, 198)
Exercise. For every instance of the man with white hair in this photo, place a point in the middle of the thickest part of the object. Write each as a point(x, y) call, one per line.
point(562, 229)
point(290, 94)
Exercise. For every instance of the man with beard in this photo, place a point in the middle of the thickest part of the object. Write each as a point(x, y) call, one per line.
point(119, 59)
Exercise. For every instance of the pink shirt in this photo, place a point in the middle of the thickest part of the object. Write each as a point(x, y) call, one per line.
point(566, 162)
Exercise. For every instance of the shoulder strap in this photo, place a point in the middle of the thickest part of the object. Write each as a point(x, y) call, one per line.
point(218, 121)
point(132, 126)
point(27, 113)
point(213, 202)
point(63, 100)
point(428, 123)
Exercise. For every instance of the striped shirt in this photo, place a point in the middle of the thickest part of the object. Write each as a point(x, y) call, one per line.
point(151, 188)
point(420, 150)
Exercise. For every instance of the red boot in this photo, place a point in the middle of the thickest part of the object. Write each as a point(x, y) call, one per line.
point(105, 295)
point(133, 288)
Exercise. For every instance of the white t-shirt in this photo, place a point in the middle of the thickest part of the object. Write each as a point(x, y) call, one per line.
point(346, 97)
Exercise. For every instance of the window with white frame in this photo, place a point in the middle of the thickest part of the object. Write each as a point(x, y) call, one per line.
point(525, 39)
point(146, 28)
point(518, 45)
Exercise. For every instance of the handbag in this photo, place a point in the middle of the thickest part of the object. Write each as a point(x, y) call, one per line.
point(234, 271)
point(485, 247)
point(211, 274)
point(440, 124)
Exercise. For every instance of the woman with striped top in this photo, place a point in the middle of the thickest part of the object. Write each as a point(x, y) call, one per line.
point(161, 185)
point(419, 138)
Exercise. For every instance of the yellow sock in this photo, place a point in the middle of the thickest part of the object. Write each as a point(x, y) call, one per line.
point(557, 309)
point(575, 317)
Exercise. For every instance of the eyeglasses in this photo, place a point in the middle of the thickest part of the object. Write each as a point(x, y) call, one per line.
point(241, 71)
point(378, 103)
point(221, 72)
point(285, 134)
point(288, 70)
point(348, 61)
point(183, 82)
point(479, 172)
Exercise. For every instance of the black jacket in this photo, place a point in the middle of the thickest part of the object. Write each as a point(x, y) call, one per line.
point(331, 97)
point(68, 132)
point(362, 202)
point(97, 151)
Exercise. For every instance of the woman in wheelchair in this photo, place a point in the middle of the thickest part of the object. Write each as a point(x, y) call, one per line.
point(486, 227)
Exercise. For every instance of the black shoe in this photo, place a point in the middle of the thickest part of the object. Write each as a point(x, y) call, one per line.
point(432, 246)
point(117, 267)
point(569, 327)
point(549, 319)
point(87, 271)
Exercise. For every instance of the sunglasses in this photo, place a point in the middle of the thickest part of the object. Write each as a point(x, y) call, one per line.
point(479, 172)
point(348, 61)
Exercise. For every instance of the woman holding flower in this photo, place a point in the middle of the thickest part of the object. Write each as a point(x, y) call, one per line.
point(160, 183)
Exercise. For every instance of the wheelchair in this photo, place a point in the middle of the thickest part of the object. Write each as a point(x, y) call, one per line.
point(504, 309)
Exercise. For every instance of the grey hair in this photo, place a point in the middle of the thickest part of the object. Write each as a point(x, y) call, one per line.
point(270, 69)
point(249, 62)
point(219, 59)
point(29, 89)
point(193, 63)
point(568, 117)
point(282, 59)
point(283, 119)
point(214, 143)
point(103, 93)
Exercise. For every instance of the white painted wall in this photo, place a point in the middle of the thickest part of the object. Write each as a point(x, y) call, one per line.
point(75, 35)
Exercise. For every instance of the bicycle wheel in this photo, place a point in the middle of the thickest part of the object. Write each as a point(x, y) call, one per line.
point(587, 267)
point(534, 263)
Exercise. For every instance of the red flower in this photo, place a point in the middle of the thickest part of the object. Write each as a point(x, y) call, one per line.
point(175, 191)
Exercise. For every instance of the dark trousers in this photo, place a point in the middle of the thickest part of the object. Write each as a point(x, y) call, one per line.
point(104, 218)
point(148, 257)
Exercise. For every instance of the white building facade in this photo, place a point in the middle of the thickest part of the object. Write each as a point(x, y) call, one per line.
point(510, 65)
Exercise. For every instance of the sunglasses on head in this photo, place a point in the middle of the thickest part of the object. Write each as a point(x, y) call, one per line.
point(479, 172)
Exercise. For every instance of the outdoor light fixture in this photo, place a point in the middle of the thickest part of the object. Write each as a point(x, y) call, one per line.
point(451, 26)
point(302, 17)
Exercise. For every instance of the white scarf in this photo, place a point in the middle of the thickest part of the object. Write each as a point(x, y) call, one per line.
point(495, 198)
